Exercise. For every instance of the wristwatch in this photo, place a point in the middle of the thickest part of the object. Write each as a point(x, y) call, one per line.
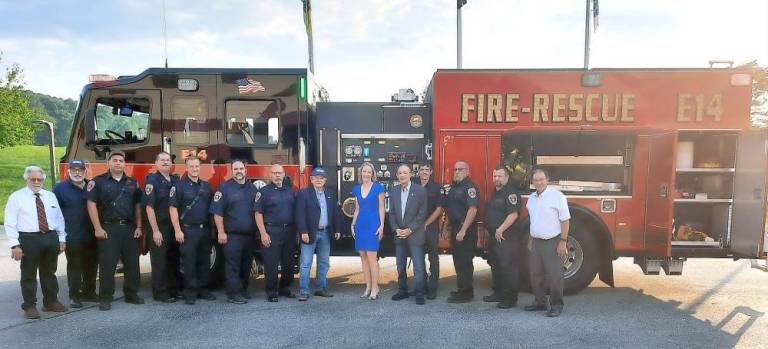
point(564, 239)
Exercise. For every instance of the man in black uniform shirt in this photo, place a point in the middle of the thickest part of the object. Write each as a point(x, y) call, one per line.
point(435, 203)
point(114, 200)
point(163, 249)
point(461, 205)
point(232, 209)
point(82, 253)
point(501, 212)
point(189, 202)
point(274, 206)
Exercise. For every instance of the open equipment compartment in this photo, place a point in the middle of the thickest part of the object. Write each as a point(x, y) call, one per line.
point(578, 162)
point(704, 187)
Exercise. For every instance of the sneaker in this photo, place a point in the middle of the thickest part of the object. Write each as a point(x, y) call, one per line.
point(55, 306)
point(303, 297)
point(272, 299)
point(168, 299)
point(237, 300)
point(400, 296)
point(323, 293)
point(460, 298)
point(31, 313)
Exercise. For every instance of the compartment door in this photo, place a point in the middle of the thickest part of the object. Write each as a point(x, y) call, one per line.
point(747, 224)
point(659, 199)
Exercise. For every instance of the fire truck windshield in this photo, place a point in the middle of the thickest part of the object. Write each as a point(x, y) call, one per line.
point(121, 120)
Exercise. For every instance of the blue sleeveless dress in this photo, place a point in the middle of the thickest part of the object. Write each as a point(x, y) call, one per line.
point(368, 220)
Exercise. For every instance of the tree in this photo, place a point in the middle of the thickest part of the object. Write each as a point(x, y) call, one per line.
point(15, 113)
point(759, 110)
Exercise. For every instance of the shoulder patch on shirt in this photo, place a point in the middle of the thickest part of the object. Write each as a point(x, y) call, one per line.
point(148, 188)
point(172, 193)
point(217, 196)
point(91, 185)
point(472, 192)
point(512, 199)
point(258, 196)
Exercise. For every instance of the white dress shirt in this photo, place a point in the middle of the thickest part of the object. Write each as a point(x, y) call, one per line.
point(21, 214)
point(547, 210)
point(404, 190)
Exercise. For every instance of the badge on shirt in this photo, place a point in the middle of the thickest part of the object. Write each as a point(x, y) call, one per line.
point(172, 193)
point(512, 199)
point(91, 185)
point(217, 196)
point(258, 196)
point(472, 192)
point(148, 188)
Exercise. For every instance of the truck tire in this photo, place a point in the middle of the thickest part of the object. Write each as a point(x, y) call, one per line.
point(581, 263)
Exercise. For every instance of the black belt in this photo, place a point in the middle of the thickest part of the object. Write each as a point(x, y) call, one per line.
point(278, 225)
point(554, 237)
point(201, 226)
point(120, 222)
point(37, 232)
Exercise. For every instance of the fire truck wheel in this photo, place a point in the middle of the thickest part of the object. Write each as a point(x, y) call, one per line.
point(581, 263)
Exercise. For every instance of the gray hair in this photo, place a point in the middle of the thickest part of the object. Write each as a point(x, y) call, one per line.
point(33, 168)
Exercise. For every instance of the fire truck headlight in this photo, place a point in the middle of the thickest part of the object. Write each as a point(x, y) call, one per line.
point(591, 79)
point(188, 85)
point(741, 80)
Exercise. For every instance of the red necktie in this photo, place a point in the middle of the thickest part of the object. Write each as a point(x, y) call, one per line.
point(42, 220)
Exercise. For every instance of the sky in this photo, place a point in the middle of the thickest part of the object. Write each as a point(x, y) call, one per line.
point(365, 50)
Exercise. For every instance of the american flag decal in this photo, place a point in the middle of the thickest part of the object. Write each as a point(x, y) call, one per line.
point(246, 85)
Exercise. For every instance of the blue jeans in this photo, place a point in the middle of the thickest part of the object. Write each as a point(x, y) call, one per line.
point(322, 245)
point(404, 248)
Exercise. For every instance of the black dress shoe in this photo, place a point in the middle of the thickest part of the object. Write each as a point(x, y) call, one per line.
point(164, 299)
point(237, 300)
point(431, 294)
point(507, 303)
point(400, 296)
point(420, 300)
point(190, 300)
point(246, 295)
point(89, 297)
point(135, 300)
point(272, 299)
point(177, 296)
point(75, 303)
point(207, 296)
point(535, 307)
point(460, 298)
point(554, 312)
point(105, 305)
point(493, 298)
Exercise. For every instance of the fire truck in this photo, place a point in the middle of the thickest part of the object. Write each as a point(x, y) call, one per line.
point(659, 165)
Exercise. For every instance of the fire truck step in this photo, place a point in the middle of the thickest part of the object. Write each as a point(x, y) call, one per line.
point(673, 265)
point(649, 265)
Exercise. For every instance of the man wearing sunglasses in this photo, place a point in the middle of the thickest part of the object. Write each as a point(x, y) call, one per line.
point(461, 206)
point(35, 228)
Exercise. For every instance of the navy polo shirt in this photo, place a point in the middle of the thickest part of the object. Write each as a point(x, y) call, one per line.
point(460, 198)
point(234, 202)
point(156, 191)
point(183, 194)
point(115, 200)
point(72, 201)
point(435, 196)
point(276, 204)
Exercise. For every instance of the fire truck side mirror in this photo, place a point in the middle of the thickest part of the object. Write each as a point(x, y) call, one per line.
point(89, 125)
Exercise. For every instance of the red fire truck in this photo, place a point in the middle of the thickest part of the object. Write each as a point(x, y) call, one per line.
point(658, 164)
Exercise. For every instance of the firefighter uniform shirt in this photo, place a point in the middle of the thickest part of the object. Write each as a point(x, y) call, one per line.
point(547, 210)
point(156, 191)
point(234, 202)
point(276, 204)
point(192, 200)
point(435, 196)
point(461, 196)
point(501, 204)
point(115, 199)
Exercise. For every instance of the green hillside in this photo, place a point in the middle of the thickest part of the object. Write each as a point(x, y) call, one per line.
point(12, 163)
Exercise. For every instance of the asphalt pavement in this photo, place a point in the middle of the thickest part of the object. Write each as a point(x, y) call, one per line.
point(714, 304)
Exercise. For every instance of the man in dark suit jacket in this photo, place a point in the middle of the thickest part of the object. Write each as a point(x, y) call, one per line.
point(317, 217)
point(407, 212)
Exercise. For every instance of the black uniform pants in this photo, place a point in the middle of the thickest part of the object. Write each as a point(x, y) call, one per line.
point(280, 253)
point(82, 263)
point(119, 245)
point(238, 257)
point(547, 272)
point(196, 258)
point(432, 239)
point(41, 253)
point(504, 262)
point(165, 259)
point(463, 254)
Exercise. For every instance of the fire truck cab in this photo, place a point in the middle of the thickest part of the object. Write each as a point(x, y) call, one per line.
point(658, 164)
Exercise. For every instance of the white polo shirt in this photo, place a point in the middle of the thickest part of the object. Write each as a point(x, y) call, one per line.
point(547, 210)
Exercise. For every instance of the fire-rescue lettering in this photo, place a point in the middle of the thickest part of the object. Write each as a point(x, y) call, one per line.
point(691, 107)
point(549, 108)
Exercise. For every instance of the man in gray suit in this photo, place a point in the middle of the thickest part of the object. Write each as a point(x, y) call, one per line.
point(407, 212)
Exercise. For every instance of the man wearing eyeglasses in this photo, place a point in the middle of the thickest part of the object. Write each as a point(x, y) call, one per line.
point(35, 228)
point(82, 252)
point(461, 206)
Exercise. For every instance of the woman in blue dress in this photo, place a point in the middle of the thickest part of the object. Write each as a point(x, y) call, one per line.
point(368, 226)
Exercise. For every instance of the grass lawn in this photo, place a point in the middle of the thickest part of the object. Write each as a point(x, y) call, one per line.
point(12, 163)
